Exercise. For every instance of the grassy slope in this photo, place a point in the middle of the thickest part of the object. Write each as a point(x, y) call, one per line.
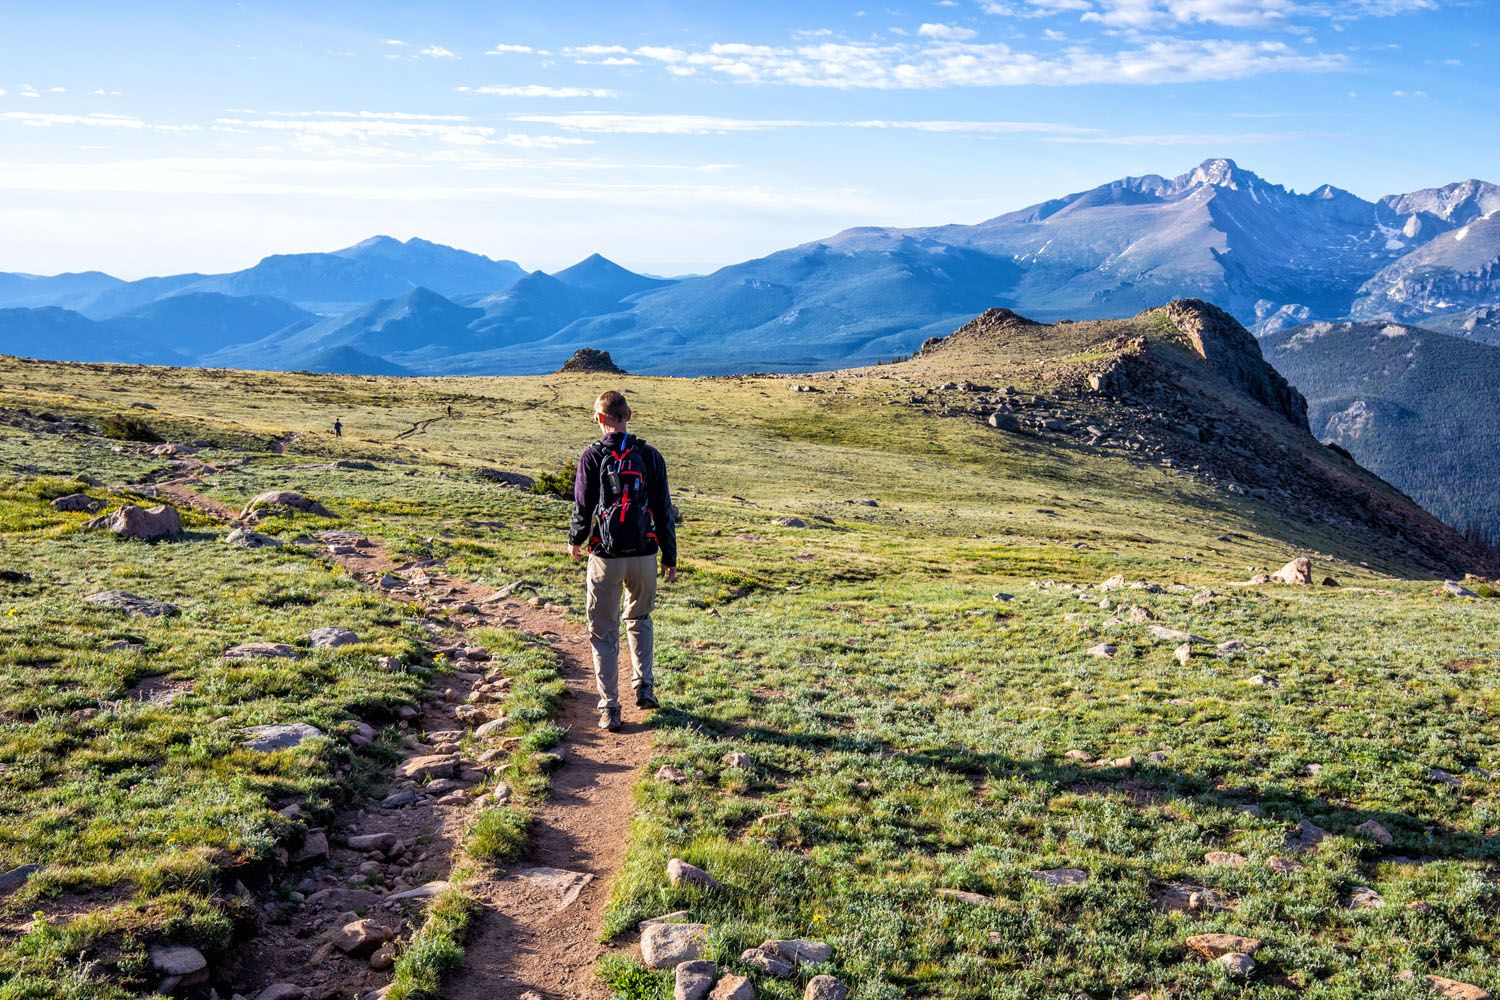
point(909, 731)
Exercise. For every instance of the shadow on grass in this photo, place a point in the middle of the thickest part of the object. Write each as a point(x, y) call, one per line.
point(1155, 783)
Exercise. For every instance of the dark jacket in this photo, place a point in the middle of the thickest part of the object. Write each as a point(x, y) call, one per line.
point(658, 498)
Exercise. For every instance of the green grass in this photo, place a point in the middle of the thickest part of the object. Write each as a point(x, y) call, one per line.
point(498, 834)
point(435, 950)
point(909, 731)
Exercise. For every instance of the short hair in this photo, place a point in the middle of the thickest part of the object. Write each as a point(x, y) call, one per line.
point(611, 403)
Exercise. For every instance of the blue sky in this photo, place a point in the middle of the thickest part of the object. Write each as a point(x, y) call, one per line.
point(172, 136)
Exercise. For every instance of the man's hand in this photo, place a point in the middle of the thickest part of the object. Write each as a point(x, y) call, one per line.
point(670, 573)
point(576, 551)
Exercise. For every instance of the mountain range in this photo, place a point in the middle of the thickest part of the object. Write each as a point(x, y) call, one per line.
point(1272, 258)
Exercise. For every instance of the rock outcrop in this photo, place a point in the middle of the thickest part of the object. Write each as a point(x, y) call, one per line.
point(587, 359)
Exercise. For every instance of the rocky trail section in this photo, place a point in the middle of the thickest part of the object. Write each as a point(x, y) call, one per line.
point(366, 877)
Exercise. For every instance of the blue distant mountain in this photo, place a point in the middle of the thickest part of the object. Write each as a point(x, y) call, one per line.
point(1270, 256)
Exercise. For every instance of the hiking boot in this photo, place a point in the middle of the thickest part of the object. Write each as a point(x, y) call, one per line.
point(645, 699)
point(609, 718)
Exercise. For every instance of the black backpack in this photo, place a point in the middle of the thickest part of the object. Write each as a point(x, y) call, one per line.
point(622, 521)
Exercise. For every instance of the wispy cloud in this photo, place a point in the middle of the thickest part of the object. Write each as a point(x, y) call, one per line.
point(91, 120)
point(1140, 14)
point(538, 90)
point(668, 124)
point(437, 52)
point(942, 63)
point(505, 48)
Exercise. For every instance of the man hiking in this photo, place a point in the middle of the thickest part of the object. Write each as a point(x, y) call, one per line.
point(622, 511)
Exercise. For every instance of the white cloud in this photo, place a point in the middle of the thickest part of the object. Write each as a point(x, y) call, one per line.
point(523, 140)
point(600, 122)
point(364, 129)
point(506, 49)
point(95, 119)
point(1190, 139)
point(437, 52)
point(946, 32)
point(1141, 14)
point(394, 42)
point(946, 63)
point(100, 92)
point(538, 90)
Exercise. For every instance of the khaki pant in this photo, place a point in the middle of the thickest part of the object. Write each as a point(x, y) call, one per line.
point(636, 575)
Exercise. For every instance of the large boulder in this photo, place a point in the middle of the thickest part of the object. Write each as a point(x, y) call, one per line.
point(331, 637)
point(665, 946)
point(146, 524)
point(245, 538)
point(1298, 572)
point(284, 498)
point(132, 604)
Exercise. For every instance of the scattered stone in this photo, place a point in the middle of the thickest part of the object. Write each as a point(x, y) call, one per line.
point(1297, 572)
point(1443, 777)
point(314, 848)
point(1237, 964)
point(1450, 989)
point(1224, 859)
point(77, 503)
point(132, 604)
point(1284, 866)
point(739, 760)
point(1307, 835)
point(692, 980)
point(266, 739)
point(799, 951)
point(671, 774)
point(331, 637)
point(391, 664)
point(665, 946)
point(261, 650)
point(1172, 634)
point(1458, 590)
point(359, 935)
point(1183, 653)
point(282, 991)
point(791, 522)
point(1329, 581)
point(1061, 876)
point(1079, 756)
point(1214, 945)
point(681, 873)
point(1263, 680)
point(145, 524)
point(491, 728)
point(285, 498)
point(15, 878)
point(384, 957)
point(176, 959)
point(1362, 897)
point(1104, 651)
point(379, 843)
point(1233, 647)
point(1139, 615)
point(768, 962)
point(733, 988)
point(426, 891)
point(1372, 830)
point(972, 898)
point(430, 766)
point(1419, 906)
point(245, 538)
point(825, 988)
point(390, 581)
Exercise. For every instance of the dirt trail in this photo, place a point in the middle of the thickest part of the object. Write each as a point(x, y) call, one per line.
point(541, 916)
point(539, 925)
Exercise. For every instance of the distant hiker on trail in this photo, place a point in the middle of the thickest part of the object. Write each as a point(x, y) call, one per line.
point(338, 427)
point(622, 511)
point(450, 409)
